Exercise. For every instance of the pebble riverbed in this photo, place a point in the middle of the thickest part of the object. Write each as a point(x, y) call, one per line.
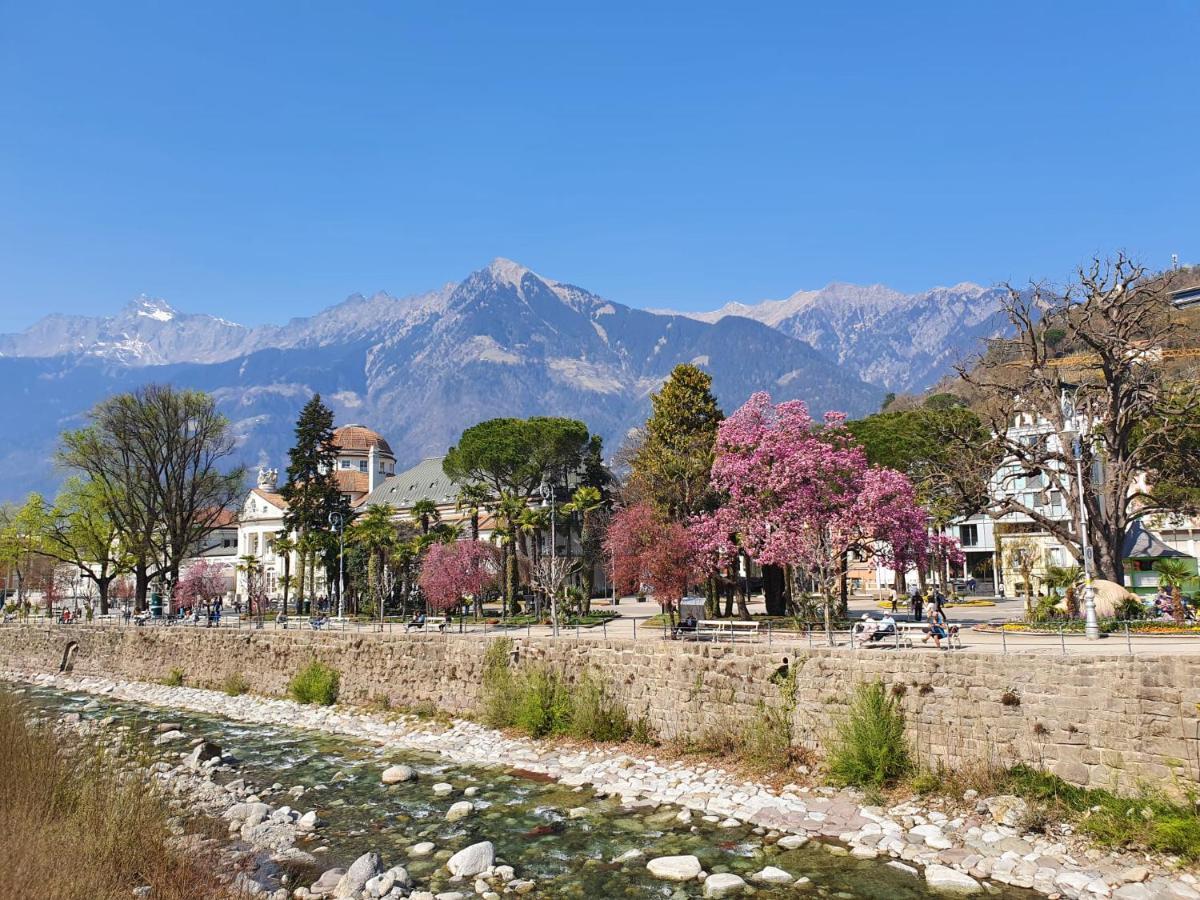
point(797, 841)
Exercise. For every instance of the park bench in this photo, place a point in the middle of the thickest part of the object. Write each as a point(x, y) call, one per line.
point(728, 630)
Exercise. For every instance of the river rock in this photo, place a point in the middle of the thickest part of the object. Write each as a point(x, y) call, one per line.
point(422, 849)
point(628, 855)
point(772, 875)
point(952, 881)
point(459, 810)
point(723, 884)
point(327, 882)
point(360, 872)
point(397, 774)
point(308, 821)
point(792, 841)
point(202, 753)
point(164, 727)
point(472, 860)
point(1007, 810)
point(674, 868)
point(168, 737)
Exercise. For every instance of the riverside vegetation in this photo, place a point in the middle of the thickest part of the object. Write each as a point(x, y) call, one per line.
point(76, 827)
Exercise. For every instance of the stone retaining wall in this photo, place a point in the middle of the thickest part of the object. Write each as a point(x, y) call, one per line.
point(1114, 722)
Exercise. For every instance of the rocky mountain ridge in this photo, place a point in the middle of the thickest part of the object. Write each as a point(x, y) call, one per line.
point(504, 341)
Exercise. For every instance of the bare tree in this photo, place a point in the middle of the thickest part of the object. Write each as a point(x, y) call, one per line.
point(156, 456)
point(550, 574)
point(1110, 400)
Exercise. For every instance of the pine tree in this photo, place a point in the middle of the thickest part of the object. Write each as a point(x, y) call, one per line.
point(311, 492)
point(671, 467)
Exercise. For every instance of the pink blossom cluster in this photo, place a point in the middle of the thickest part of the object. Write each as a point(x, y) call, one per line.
point(456, 570)
point(800, 492)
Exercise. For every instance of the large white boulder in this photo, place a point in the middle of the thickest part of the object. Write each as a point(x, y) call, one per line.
point(459, 810)
point(772, 875)
point(397, 774)
point(674, 868)
point(723, 884)
point(951, 881)
point(472, 860)
point(360, 872)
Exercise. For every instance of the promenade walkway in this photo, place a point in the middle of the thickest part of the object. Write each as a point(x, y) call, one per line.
point(633, 624)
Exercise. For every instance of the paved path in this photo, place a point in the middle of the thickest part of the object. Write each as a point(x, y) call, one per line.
point(632, 624)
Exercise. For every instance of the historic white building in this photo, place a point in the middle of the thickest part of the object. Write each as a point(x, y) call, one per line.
point(364, 460)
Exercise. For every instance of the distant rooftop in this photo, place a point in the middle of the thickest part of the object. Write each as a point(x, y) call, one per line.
point(424, 481)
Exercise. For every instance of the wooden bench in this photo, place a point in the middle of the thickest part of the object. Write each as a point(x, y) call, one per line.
point(906, 634)
point(725, 630)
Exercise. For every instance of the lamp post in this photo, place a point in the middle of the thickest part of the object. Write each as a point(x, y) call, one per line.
point(1091, 627)
point(337, 521)
point(547, 493)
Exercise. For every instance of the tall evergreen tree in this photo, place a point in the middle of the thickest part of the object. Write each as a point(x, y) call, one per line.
point(312, 492)
point(671, 467)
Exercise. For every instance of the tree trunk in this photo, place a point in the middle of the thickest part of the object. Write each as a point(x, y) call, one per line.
point(141, 584)
point(773, 590)
point(102, 586)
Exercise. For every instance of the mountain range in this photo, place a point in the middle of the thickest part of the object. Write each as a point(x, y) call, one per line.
point(505, 341)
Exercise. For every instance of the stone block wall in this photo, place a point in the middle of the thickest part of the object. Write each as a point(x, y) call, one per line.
point(1116, 722)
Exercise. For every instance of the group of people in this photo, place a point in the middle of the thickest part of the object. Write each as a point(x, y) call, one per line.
point(870, 630)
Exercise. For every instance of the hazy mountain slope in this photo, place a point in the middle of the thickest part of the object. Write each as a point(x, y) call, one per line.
point(902, 342)
point(504, 341)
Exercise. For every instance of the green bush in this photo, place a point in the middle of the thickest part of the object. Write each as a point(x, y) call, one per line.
point(497, 699)
point(315, 683)
point(595, 715)
point(175, 678)
point(235, 685)
point(870, 749)
point(543, 703)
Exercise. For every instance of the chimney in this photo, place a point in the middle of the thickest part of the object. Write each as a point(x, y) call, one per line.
point(372, 467)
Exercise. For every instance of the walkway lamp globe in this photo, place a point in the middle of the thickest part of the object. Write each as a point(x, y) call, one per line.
point(1073, 432)
point(337, 521)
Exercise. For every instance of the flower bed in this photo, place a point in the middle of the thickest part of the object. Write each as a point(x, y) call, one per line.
point(1107, 626)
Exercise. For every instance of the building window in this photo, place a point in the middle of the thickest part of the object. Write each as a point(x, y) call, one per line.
point(345, 464)
point(968, 535)
point(362, 465)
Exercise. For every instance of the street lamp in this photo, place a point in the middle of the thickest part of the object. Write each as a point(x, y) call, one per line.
point(337, 521)
point(1091, 627)
point(547, 493)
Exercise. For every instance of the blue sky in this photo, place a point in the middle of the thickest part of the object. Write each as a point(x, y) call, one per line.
point(259, 160)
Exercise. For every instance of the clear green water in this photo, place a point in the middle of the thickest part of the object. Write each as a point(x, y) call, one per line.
point(524, 817)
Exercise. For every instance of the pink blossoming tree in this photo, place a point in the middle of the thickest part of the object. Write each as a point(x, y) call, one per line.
point(199, 586)
point(800, 494)
point(650, 554)
point(459, 569)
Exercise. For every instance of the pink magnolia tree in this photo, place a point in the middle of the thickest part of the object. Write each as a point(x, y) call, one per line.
point(199, 586)
point(800, 494)
point(459, 569)
point(650, 554)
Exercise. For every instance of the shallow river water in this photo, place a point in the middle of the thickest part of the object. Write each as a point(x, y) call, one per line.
point(524, 816)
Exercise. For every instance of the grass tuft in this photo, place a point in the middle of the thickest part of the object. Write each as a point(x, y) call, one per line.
point(316, 683)
point(235, 685)
point(175, 678)
point(870, 749)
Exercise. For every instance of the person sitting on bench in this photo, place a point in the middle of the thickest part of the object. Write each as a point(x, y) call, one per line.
point(417, 621)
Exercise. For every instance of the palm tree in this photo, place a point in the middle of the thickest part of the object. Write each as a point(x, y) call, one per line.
point(256, 593)
point(376, 535)
point(1174, 573)
point(472, 497)
point(285, 547)
point(1063, 580)
point(587, 501)
point(507, 509)
point(425, 513)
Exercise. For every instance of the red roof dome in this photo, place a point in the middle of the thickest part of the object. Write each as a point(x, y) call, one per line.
point(359, 437)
